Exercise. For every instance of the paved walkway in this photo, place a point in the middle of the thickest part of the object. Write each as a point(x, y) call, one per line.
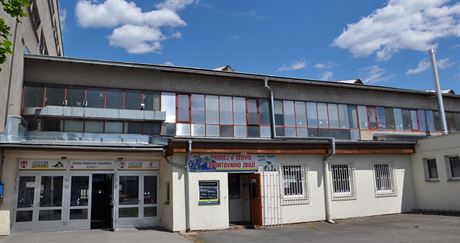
point(99, 236)
point(388, 229)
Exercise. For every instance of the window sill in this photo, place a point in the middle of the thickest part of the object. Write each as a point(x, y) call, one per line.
point(343, 197)
point(432, 180)
point(454, 179)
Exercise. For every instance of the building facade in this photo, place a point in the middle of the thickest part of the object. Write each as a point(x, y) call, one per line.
point(111, 145)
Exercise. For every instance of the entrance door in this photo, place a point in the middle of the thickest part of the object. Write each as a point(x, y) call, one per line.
point(256, 199)
point(101, 201)
point(79, 202)
point(137, 200)
point(238, 193)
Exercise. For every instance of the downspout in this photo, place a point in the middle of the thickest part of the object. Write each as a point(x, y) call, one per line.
point(327, 197)
point(186, 185)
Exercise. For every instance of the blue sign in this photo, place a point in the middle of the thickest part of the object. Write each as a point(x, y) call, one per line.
point(1, 190)
point(230, 162)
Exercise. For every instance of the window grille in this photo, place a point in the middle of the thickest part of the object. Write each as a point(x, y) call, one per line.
point(294, 189)
point(384, 179)
point(342, 182)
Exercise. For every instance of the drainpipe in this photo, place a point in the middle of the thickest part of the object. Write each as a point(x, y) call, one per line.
point(186, 184)
point(327, 200)
point(437, 86)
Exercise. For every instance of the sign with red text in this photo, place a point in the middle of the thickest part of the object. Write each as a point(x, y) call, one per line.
point(229, 162)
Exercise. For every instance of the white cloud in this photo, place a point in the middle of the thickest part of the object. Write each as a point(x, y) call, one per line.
point(325, 65)
point(169, 63)
point(424, 64)
point(374, 74)
point(63, 17)
point(401, 24)
point(295, 65)
point(328, 75)
point(129, 20)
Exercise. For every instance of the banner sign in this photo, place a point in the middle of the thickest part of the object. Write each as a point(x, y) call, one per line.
point(41, 165)
point(229, 162)
point(91, 165)
point(139, 165)
point(209, 192)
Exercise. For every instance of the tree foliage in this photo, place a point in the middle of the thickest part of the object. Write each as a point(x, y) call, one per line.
point(16, 9)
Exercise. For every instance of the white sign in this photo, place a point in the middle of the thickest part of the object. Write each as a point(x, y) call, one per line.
point(41, 165)
point(30, 184)
point(139, 165)
point(91, 165)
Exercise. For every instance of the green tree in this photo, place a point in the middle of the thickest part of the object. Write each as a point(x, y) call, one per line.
point(16, 9)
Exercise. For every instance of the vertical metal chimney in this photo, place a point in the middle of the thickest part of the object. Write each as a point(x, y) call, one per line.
point(437, 85)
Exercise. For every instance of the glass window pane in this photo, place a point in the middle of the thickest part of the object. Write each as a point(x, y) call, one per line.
point(197, 109)
point(150, 190)
point(113, 127)
point(239, 110)
point(128, 213)
point(212, 130)
point(264, 112)
point(76, 97)
point(322, 115)
point(253, 118)
point(226, 110)
point(362, 113)
point(133, 127)
point(240, 131)
point(51, 125)
point(279, 117)
point(265, 132)
point(389, 118)
point(129, 190)
point(343, 115)
point(152, 101)
point(414, 118)
point(51, 191)
point(333, 115)
point(289, 113)
point(95, 98)
point(78, 214)
point(212, 109)
point(79, 191)
point(24, 216)
point(300, 114)
point(226, 131)
point(430, 120)
point(450, 121)
point(49, 215)
point(133, 100)
point(55, 96)
point(312, 114)
point(183, 107)
point(198, 130)
point(406, 118)
point(33, 96)
point(151, 128)
point(454, 163)
point(168, 105)
point(371, 114)
point(353, 116)
point(398, 119)
point(182, 129)
point(253, 132)
point(290, 132)
point(73, 126)
point(381, 118)
point(26, 192)
point(114, 99)
point(422, 120)
point(150, 211)
point(432, 169)
point(94, 126)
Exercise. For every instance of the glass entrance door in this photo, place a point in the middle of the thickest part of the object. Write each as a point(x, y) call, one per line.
point(137, 200)
point(79, 202)
point(25, 203)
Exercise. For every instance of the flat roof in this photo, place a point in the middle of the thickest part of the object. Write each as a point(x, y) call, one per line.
point(211, 72)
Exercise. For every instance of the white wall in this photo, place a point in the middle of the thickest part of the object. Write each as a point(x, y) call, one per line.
point(442, 194)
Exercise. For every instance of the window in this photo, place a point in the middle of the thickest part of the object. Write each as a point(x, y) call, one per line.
point(114, 99)
point(253, 119)
point(372, 116)
point(239, 117)
point(183, 106)
point(168, 105)
point(264, 116)
point(431, 169)
point(289, 118)
point(51, 125)
point(398, 119)
point(279, 118)
point(322, 115)
point(333, 115)
point(453, 167)
point(226, 116)
point(430, 120)
point(406, 119)
point(33, 96)
point(343, 116)
point(362, 113)
point(384, 180)
point(390, 118)
point(73, 126)
point(422, 120)
point(294, 184)
point(381, 118)
point(198, 116)
point(133, 127)
point(95, 98)
point(133, 100)
point(94, 126)
point(301, 119)
point(152, 101)
point(208, 192)
point(212, 116)
point(76, 97)
point(414, 118)
point(353, 121)
point(113, 127)
point(55, 96)
point(342, 182)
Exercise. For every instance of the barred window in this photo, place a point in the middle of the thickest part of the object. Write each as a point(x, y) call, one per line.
point(384, 179)
point(342, 182)
point(294, 183)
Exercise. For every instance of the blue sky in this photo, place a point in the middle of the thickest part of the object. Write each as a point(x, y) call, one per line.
point(381, 42)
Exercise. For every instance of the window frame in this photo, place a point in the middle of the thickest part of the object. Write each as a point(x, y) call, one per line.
point(392, 173)
point(450, 177)
point(343, 196)
point(426, 169)
point(301, 198)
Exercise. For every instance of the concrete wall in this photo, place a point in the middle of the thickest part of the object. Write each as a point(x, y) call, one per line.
point(441, 194)
point(23, 35)
point(10, 172)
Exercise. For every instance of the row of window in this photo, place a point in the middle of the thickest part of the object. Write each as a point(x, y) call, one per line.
point(452, 164)
point(39, 96)
point(342, 179)
point(93, 126)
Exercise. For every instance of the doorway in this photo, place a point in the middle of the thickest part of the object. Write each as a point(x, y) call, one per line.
point(239, 198)
point(102, 201)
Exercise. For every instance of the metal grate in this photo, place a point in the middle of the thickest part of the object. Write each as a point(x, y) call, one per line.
point(294, 181)
point(384, 179)
point(342, 182)
point(271, 200)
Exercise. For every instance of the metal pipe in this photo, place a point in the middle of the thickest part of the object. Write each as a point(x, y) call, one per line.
point(437, 85)
point(325, 159)
point(186, 184)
